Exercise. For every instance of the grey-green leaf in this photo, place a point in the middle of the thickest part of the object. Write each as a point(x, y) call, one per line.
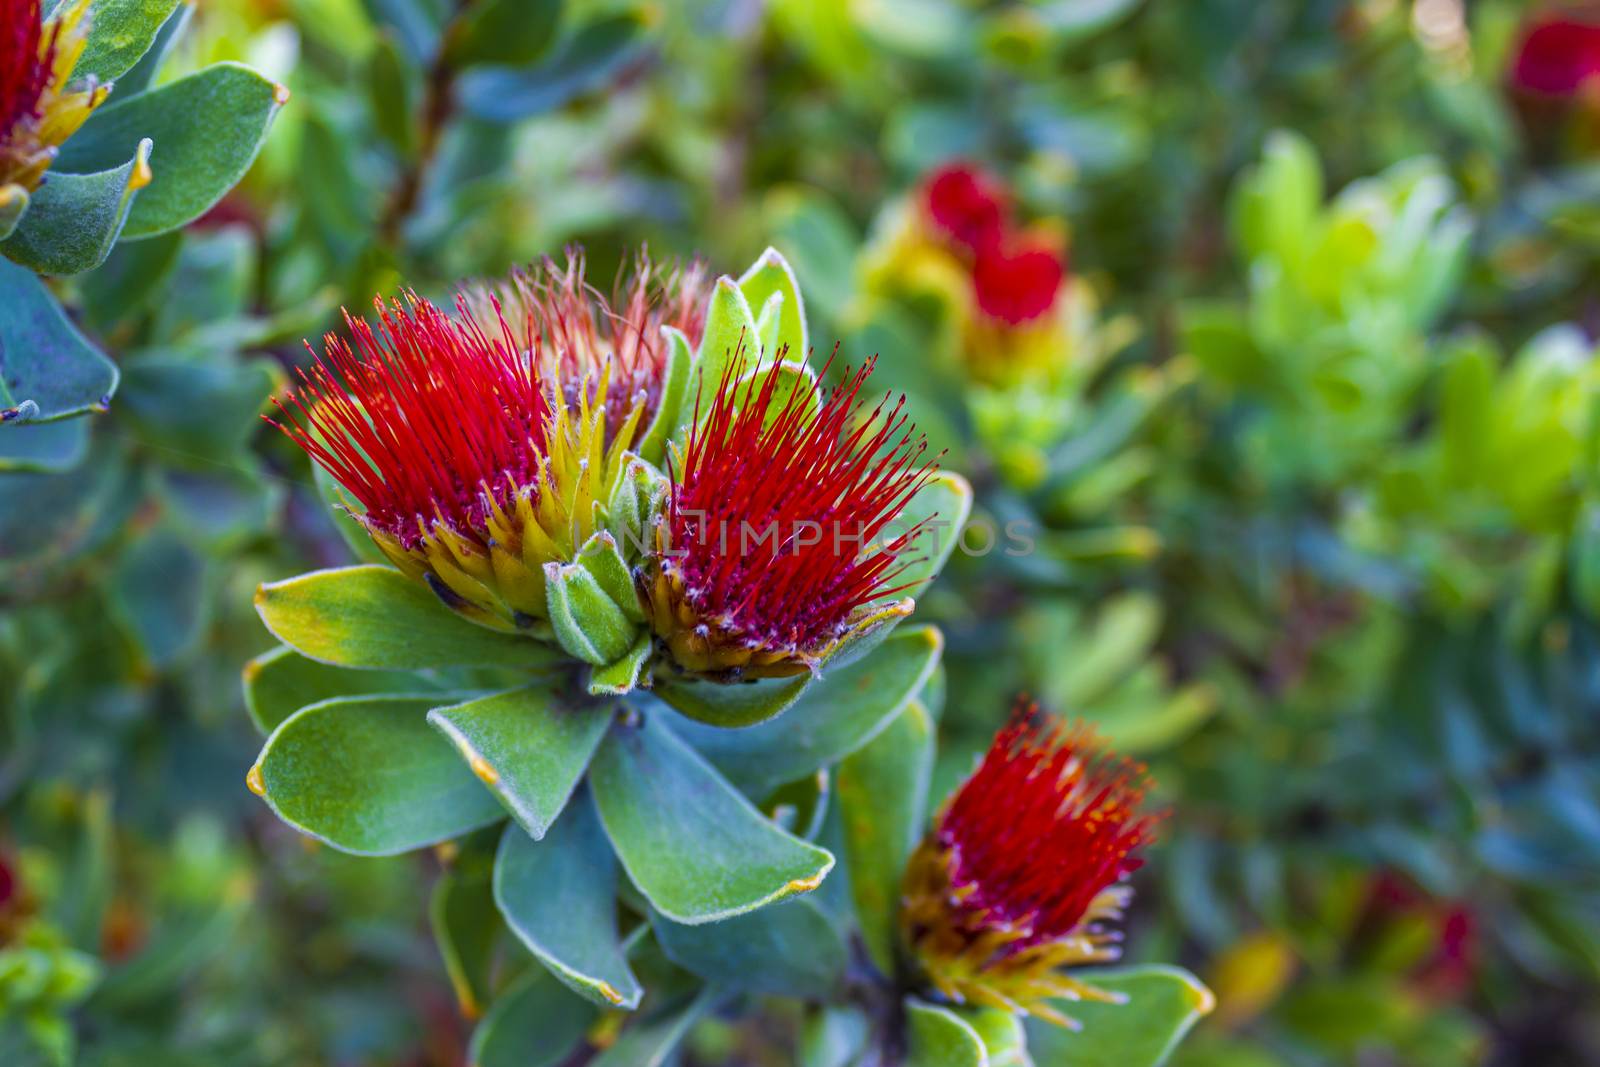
point(374, 616)
point(44, 361)
point(692, 845)
point(536, 1022)
point(771, 275)
point(584, 60)
point(834, 717)
point(723, 707)
point(76, 218)
point(559, 896)
point(938, 1037)
point(465, 923)
point(280, 682)
point(790, 949)
point(1162, 1005)
point(207, 128)
point(120, 33)
point(368, 775)
point(530, 746)
point(651, 1041)
point(510, 32)
point(882, 794)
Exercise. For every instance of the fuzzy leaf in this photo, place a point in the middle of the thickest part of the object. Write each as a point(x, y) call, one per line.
point(587, 621)
point(120, 33)
point(536, 1022)
point(771, 276)
point(651, 1041)
point(674, 387)
point(938, 1037)
point(730, 706)
point(207, 128)
point(143, 73)
point(45, 362)
point(14, 201)
point(882, 792)
point(1005, 1040)
point(692, 845)
point(368, 775)
point(44, 447)
point(1163, 1004)
point(946, 501)
point(622, 676)
point(372, 616)
point(559, 897)
point(280, 682)
point(835, 716)
point(529, 746)
point(790, 949)
point(76, 218)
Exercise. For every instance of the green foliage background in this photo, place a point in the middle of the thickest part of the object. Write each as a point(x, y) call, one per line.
point(1317, 520)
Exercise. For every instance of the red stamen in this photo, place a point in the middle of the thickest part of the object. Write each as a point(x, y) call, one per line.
point(1048, 821)
point(777, 519)
point(24, 73)
point(421, 419)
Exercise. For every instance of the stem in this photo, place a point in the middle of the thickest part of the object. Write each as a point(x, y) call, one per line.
point(438, 105)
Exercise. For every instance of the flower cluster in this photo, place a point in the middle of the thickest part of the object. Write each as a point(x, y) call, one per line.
point(1016, 273)
point(1023, 868)
point(499, 451)
point(38, 108)
point(777, 538)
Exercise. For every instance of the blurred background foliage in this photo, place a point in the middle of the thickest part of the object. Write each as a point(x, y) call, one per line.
point(1307, 456)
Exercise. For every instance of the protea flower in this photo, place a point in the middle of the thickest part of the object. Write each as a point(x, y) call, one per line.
point(577, 336)
point(1023, 869)
point(37, 109)
point(1559, 55)
point(966, 206)
point(778, 536)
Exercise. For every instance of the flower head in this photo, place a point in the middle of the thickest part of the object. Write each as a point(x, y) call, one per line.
point(1018, 282)
point(37, 110)
point(576, 335)
point(1558, 55)
point(1023, 867)
point(774, 544)
point(967, 206)
point(461, 468)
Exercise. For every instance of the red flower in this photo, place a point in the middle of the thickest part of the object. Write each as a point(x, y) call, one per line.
point(1558, 55)
point(428, 420)
point(1018, 284)
point(24, 64)
point(576, 334)
point(966, 205)
point(1023, 865)
point(1047, 822)
point(8, 883)
point(772, 543)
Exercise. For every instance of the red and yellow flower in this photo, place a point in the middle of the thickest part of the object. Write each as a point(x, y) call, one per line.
point(1024, 869)
point(39, 106)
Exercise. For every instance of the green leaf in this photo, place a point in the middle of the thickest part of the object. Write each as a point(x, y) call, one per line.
point(207, 128)
point(368, 775)
point(836, 715)
point(464, 923)
point(14, 201)
point(390, 95)
point(559, 896)
point(45, 363)
point(882, 792)
point(536, 1022)
point(790, 949)
point(530, 746)
point(651, 1041)
point(770, 275)
point(730, 334)
point(280, 682)
point(203, 407)
point(127, 283)
point(728, 706)
point(946, 503)
point(143, 73)
point(44, 447)
point(158, 593)
point(510, 32)
point(675, 384)
point(692, 845)
point(583, 61)
point(622, 676)
point(587, 621)
point(1005, 1040)
point(1162, 1004)
point(120, 33)
point(601, 558)
point(373, 616)
point(938, 1037)
point(791, 378)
